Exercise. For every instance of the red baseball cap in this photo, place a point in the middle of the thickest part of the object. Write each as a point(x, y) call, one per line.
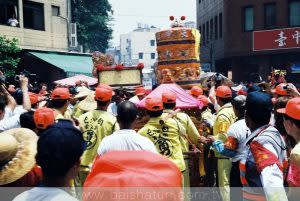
point(60, 94)
point(140, 91)
point(279, 89)
point(34, 98)
point(223, 92)
point(103, 93)
point(168, 97)
point(117, 169)
point(154, 104)
point(43, 117)
point(292, 109)
point(203, 99)
point(196, 91)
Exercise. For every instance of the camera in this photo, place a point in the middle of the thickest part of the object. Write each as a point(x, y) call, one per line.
point(27, 74)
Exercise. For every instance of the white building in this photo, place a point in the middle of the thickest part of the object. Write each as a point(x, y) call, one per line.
point(190, 24)
point(46, 36)
point(139, 46)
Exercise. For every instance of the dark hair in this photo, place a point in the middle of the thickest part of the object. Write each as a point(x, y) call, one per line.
point(127, 113)
point(225, 100)
point(259, 107)
point(169, 106)
point(27, 121)
point(295, 121)
point(57, 103)
point(281, 103)
point(59, 148)
point(3, 103)
point(155, 113)
point(102, 103)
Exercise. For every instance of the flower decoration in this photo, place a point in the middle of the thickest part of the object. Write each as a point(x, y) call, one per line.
point(140, 66)
point(183, 18)
point(172, 18)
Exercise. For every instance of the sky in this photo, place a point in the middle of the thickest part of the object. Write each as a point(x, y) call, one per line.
point(128, 13)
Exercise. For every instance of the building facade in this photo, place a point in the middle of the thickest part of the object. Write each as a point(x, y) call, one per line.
point(139, 46)
point(241, 20)
point(46, 36)
point(42, 24)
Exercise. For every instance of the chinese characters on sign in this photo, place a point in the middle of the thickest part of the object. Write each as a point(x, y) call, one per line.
point(276, 39)
point(281, 40)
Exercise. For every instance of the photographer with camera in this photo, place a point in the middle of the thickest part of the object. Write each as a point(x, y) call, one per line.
point(9, 111)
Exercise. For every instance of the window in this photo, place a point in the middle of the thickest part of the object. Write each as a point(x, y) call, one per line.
point(55, 11)
point(9, 11)
point(207, 31)
point(152, 42)
point(211, 24)
point(248, 18)
point(141, 55)
point(216, 27)
point(33, 15)
point(270, 15)
point(221, 25)
point(294, 13)
point(152, 55)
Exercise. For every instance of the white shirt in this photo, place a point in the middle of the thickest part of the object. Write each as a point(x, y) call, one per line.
point(45, 194)
point(134, 100)
point(12, 119)
point(125, 139)
point(271, 176)
point(241, 132)
point(112, 108)
point(13, 22)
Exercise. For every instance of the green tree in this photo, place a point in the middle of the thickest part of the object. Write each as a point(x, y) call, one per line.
point(9, 55)
point(93, 23)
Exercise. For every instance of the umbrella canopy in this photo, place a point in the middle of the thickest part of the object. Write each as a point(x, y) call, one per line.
point(183, 99)
point(70, 81)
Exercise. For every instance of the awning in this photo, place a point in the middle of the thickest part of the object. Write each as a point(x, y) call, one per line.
point(72, 64)
point(71, 81)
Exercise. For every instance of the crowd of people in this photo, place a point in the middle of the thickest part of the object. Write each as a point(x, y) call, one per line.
point(87, 137)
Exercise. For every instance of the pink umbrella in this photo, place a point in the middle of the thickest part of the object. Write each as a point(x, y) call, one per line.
point(70, 81)
point(183, 99)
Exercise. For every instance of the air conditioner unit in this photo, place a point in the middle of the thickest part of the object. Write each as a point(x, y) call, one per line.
point(73, 35)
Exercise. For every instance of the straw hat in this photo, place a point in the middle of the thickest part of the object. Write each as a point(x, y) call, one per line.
point(88, 104)
point(82, 92)
point(18, 148)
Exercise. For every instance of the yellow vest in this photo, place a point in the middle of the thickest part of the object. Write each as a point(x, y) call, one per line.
point(224, 118)
point(166, 139)
point(191, 131)
point(95, 126)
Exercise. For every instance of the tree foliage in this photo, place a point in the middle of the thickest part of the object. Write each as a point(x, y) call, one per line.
point(93, 23)
point(9, 55)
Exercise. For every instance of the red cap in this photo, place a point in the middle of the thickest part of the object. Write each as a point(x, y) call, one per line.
point(292, 109)
point(43, 117)
point(196, 91)
point(203, 99)
point(140, 91)
point(103, 93)
point(168, 97)
point(279, 89)
point(242, 92)
point(60, 94)
point(133, 169)
point(154, 104)
point(223, 92)
point(34, 98)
